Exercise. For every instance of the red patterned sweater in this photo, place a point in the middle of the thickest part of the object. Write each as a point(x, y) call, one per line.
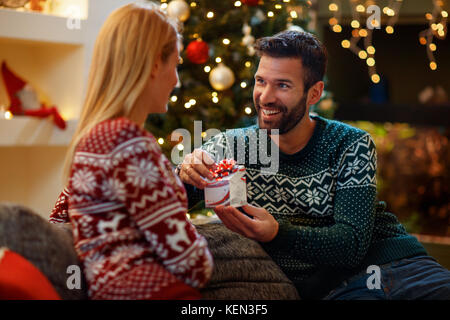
point(128, 212)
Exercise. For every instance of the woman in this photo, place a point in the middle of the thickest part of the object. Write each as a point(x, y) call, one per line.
point(126, 206)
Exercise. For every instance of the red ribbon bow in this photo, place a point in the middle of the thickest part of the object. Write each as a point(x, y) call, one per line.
point(224, 168)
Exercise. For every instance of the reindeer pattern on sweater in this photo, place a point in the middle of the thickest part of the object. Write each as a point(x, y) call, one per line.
point(128, 212)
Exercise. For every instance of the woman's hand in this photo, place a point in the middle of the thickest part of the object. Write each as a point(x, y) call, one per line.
point(263, 227)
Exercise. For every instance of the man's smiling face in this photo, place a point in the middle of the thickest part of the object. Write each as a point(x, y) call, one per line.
point(278, 93)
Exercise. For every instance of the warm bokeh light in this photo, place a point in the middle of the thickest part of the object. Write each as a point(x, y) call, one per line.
point(375, 78)
point(333, 7)
point(345, 44)
point(337, 28)
point(362, 54)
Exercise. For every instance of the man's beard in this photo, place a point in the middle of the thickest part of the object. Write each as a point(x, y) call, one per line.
point(287, 121)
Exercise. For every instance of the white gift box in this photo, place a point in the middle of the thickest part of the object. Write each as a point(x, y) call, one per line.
point(228, 191)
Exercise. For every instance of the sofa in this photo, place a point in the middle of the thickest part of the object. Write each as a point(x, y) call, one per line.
point(242, 269)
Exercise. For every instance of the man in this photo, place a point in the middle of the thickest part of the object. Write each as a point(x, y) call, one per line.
point(318, 216)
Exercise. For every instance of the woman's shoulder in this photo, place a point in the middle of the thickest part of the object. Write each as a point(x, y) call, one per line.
point(110, 134)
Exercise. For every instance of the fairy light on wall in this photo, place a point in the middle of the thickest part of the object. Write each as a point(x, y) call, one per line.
point(437, 22)
point(359, 32)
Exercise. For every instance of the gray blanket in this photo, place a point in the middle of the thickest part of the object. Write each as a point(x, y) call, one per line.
point(242, 269)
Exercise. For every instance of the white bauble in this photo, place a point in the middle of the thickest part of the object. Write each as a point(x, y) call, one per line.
point(251, 51)
point(248, 40)
point(221, 78)
point(178, 9)
point(246, 29)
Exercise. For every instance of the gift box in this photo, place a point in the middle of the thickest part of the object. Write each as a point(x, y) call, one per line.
point(229, 186)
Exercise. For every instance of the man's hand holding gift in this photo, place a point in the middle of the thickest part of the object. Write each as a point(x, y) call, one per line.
point(263, 227)
point(199, 167)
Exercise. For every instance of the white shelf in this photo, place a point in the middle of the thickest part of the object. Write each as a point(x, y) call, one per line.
point(22, 131)
point(33, 26)
point(55, 60)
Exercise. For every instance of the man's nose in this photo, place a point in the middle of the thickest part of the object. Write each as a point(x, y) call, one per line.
point(267, 95)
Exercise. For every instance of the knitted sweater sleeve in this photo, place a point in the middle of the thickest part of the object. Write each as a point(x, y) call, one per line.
point(345, 243)
point(156, 202)
point(59, 213)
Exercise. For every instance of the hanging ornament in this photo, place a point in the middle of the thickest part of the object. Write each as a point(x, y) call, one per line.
point(258, 18)
point(197, 51)
point(251, 3)
point(178, 9)
point(248, 40)
point(221, 77)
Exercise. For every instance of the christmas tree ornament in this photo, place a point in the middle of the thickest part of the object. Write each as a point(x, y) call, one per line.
point(221, 78)
point(248, 40)
point(197, 51)
point(258, 18)
point(24, 99)
point(250, 3)
point(178, 9)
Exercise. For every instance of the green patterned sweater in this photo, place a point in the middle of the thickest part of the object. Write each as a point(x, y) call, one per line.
point(324, 197)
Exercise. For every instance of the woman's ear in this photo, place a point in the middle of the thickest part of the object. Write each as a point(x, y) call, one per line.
point(156, 67)
point(314, 93)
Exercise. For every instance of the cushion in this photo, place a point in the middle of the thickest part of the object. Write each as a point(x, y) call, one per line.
point(46, 246)
point(242, 269)
point(20, 280)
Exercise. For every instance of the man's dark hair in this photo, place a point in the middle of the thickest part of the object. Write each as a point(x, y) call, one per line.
point(295, 44)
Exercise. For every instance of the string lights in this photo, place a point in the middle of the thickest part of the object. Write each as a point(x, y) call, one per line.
point(437, 22)
point(363, 26)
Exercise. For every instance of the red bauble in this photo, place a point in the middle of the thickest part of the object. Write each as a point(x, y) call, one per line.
point(197, 52)
point(250, 2)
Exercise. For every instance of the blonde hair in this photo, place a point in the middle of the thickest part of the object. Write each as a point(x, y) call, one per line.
point(127, 46)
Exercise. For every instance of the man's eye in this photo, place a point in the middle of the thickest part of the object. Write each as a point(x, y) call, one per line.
point(260, 81)
point(283, 85)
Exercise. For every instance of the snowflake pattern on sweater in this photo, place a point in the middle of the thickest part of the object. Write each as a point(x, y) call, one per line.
point(324, 198)
point(128, 212)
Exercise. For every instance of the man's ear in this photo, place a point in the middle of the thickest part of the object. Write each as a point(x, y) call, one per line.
point(314, 93)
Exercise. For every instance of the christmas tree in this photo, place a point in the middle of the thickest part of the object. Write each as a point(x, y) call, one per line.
point(219, 62)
